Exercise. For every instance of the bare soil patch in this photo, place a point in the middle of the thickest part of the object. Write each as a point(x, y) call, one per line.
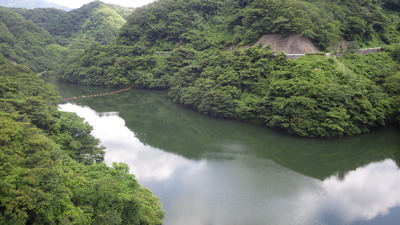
point(289, 44)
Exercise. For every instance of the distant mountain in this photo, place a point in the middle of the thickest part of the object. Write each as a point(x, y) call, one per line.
point(31, 4)
point(94, 21)
point(23, 42)
point(43, 17)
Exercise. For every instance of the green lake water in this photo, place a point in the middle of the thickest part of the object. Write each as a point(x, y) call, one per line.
point(210, 171)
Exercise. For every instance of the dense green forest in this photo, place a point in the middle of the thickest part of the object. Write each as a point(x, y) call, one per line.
point(51, 167)
point(23, 42)
point(32, 37)
point(212, 23)
point(309, 96)
point(95, 21)
point(312, 96)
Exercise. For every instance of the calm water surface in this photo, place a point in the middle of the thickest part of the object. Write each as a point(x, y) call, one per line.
point(209, 171)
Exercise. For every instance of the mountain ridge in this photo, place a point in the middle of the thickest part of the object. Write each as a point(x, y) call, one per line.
point(31, 4)
point(96, 21)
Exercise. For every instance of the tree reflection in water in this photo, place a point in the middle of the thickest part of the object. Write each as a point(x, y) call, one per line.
point(239, 177)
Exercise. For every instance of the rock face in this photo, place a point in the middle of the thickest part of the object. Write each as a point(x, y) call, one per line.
point(289, 44)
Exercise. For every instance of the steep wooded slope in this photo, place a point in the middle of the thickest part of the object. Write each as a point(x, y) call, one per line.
point(43, 17)
point(51, 169)
point(95, 21)
point(311, 96)
point(35, 37)
point(23, 42)
point(204, 24)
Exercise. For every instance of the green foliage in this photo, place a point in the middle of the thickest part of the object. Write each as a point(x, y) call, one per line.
point(286, 17)
point(113, 196)
point(392, 4)
point(96, 21)
point(51, 169)
point(110, 65)
point(392, 86)
point(26, 41)
point(330, 101)
point(69, 131)
point(43, 17)
point(23, 42)
point(169, 23)
point(165, 24)
point(312, 96)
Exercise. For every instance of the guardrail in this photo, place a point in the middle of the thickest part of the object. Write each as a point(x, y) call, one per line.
point(363, 51)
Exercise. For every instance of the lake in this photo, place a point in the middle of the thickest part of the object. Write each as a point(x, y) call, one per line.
point(210, 171)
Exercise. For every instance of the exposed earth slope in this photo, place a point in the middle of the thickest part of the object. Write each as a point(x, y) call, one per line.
point(289, 44)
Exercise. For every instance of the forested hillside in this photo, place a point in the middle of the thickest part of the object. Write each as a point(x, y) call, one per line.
point(42, 17)
point(51, 167)
point(312, 96)
point(94, 21)
point(23, 42)
point(33, 36)
point(165, 24)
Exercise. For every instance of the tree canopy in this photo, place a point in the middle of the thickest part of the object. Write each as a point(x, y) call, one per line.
point(96, 21)
point(311, 96)
point(51, 167)
point(23, 42)
point(204, 24)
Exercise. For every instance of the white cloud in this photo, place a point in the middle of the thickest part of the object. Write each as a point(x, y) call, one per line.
point(363, 194)
point(147, 163)
point(366, 192)
point(78, 3)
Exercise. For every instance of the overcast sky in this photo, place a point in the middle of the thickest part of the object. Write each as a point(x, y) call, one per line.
point(78, 3)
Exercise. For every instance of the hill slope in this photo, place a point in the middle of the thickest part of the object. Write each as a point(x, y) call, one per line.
point(95, 21)
point(51, 167)
point(23, 42)
point(43, 17)
point(167, 23)
point(311, 96)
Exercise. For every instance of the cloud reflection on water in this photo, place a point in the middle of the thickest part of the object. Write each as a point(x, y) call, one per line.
point(366, 192)
point(214, 192)
point(146, 162)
